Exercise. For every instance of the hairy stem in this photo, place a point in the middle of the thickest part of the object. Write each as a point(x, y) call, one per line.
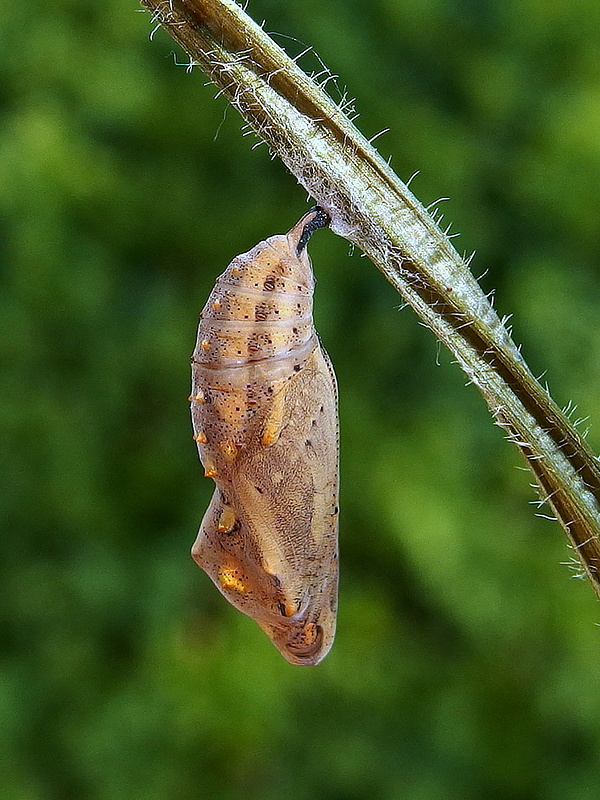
point(371, 207)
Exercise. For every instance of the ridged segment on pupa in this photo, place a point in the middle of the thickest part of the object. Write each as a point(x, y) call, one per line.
point(264, 414)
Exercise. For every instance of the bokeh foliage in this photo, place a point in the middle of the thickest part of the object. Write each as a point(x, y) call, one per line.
point(466, 662)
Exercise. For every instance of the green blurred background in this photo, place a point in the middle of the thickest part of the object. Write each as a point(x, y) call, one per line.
point(466, 660)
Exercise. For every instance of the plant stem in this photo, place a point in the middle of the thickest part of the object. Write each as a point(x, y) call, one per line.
point(371, 207)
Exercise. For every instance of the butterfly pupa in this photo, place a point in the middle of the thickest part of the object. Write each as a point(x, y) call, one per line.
point(264, 415)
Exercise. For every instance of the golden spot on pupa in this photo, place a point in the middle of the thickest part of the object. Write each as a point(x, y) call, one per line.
point(230, 578)
point(310, 631)
point(200, 437)
point(274, 421)
point(197, 398)
point(227, 520)
point(216, 305)
point(205, 344)
point(210, 471)
point(269, 437)
point(290, 608)
point(228, 449)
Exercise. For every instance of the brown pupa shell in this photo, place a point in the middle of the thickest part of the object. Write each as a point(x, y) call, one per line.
point(264, 414)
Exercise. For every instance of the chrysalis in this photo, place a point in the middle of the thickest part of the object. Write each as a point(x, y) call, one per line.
point(264, 414)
